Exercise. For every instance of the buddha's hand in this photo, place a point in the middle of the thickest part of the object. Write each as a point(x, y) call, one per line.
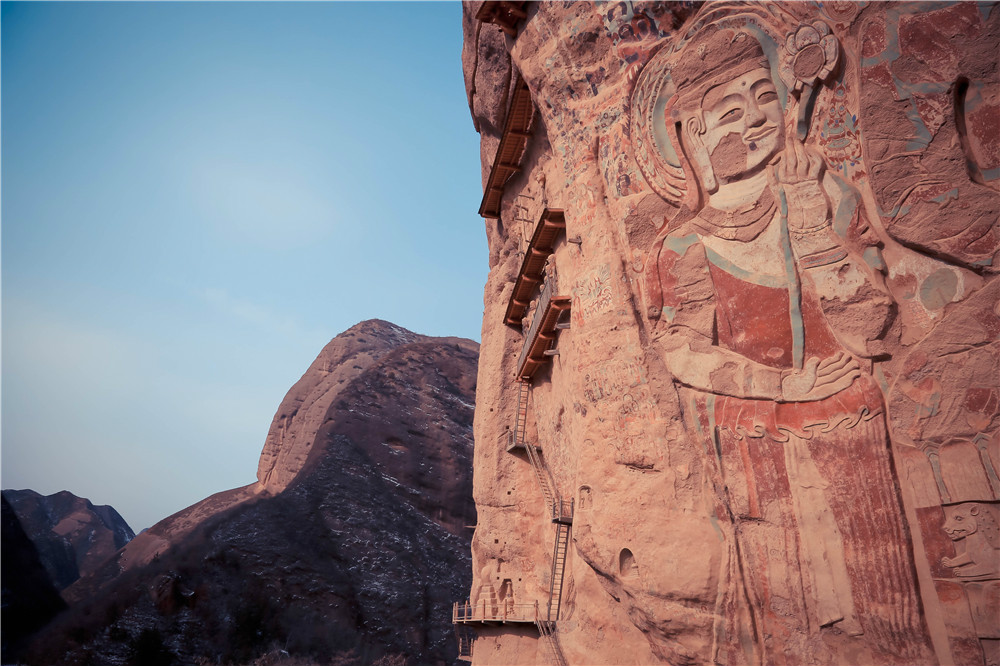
point(819, 379)
point(798, 172)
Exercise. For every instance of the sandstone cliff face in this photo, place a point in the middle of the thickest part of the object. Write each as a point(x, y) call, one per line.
point(736, 501)
point(293, 430)
point(72, 535)
point(359, 554)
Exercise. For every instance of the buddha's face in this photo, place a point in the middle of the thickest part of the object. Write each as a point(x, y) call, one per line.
point(743, 122)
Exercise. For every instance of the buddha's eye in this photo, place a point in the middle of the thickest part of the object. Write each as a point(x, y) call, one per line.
point(732, 114)
point(767, 97)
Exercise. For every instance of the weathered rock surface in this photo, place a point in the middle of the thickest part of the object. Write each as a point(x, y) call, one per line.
point(359, 552)
point(72, 535)
point(302, 412)
point(777, 403)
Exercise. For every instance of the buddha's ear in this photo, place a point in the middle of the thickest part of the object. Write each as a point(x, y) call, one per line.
point(692, 131)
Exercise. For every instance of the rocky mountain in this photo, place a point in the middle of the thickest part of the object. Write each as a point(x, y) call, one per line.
point(73, 536)
point(353, 543)
point(29, 599)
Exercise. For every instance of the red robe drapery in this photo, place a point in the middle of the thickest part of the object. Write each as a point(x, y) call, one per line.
point(809, 485)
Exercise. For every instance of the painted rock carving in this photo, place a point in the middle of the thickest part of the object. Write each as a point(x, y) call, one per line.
point(779, 394)
point(764, 309)
point(975, 527)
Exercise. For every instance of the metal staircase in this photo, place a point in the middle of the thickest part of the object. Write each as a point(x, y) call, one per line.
point(542, 475)
point(561, 514)
point(466, 640)
point(546, 630)
point(523, 216)
point(557, 508)
point(521, 418)
point(558, 570)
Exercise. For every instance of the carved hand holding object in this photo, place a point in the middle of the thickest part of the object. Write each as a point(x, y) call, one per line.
point(798, 172)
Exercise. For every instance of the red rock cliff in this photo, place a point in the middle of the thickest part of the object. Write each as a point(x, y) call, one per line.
point(742, 313)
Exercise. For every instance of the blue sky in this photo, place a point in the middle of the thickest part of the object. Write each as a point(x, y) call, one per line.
point(196, 197)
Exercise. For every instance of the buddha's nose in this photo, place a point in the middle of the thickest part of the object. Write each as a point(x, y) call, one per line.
point(754, 116)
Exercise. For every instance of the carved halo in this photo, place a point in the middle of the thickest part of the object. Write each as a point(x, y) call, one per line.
point(654, 139)
point(653, 150)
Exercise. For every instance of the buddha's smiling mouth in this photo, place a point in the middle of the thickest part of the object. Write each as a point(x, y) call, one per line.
point(760, 134)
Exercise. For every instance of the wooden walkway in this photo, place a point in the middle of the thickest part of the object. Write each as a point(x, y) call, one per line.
point(542, 335)
point(499, 613)
point(551, 223)
point(507, 162)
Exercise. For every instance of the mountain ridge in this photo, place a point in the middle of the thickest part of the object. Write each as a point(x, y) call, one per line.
point(73, 536)
point(364, 528)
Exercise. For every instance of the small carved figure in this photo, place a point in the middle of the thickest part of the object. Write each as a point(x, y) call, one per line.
point(631, 30)
point(974, 529)
point(549, 270)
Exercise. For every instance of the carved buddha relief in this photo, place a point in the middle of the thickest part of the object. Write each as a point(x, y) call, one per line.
point(834, 249)
point(766, 298)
